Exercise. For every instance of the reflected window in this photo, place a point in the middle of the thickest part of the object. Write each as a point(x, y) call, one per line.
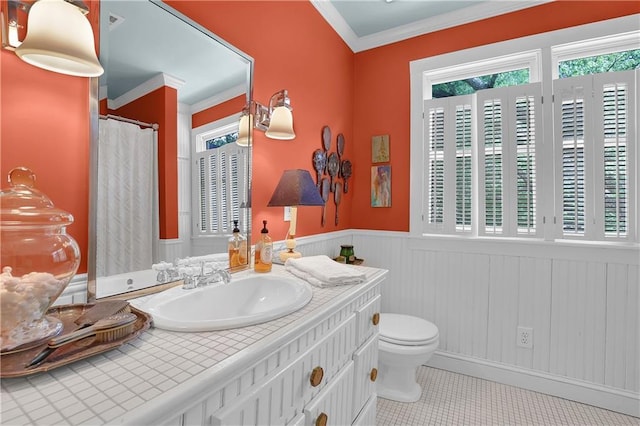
point(218, 180)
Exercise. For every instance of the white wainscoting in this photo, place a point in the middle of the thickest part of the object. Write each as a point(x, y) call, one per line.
point(581, 301)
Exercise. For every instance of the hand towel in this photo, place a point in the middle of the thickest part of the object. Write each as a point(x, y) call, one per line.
point(321, 271)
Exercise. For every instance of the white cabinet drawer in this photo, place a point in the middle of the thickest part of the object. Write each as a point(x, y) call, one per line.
point(367, 416)
point(298, 421)
point(365, 361)
point(368, 317)
point(333, 405)
point(280, 399)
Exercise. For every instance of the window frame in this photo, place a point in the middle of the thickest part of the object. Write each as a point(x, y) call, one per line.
point(199, 137)
point(620, 32)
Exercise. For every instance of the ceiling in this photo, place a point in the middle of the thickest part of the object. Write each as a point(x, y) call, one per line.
point(142, 46)
point(140, 41)
point(365, 24)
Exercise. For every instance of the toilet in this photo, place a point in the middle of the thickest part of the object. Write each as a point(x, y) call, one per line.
point(404, 343)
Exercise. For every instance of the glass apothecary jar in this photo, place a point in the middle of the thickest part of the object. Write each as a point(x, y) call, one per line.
point(38, 259)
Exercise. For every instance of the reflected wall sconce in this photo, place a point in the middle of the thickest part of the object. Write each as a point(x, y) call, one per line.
point(59, 36)
point(296, 188)
point(276, 120)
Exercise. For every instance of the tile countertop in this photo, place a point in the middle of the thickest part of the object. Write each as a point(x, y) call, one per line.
point(158, 369)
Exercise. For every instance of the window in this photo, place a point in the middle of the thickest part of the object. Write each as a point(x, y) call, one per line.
point(471, 85)
point(508, 127)
point(219, 180)
point(595, 114)
point(490, 168)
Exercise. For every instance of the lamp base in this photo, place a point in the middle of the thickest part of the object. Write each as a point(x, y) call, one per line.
point(289, 254)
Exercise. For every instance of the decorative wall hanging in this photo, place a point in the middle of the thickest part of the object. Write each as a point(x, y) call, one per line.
point(332, 164)
point(340, 145)
point(380, 149)
point(324, 192)
point(345, 171)
point(319, 164)
point(381, 186)
point(326, 138)
point(333, 167)
point(337, 197)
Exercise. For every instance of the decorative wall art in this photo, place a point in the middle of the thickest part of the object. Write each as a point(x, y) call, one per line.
point(380, 149)
point(381, 186)
point(332, 164)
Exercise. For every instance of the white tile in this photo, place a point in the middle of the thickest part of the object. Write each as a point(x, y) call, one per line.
point(455, 399)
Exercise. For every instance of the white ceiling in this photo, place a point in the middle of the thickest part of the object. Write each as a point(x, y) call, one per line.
point(365, 24)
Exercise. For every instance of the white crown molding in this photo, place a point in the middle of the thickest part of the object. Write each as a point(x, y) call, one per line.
point(335, 19)
point(440, 22)
point(145, 88)
point(218, 98)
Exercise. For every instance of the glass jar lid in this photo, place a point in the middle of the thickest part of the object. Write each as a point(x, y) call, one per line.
point(23, 205)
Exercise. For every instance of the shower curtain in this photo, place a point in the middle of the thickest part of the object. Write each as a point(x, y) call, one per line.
point(124, 222)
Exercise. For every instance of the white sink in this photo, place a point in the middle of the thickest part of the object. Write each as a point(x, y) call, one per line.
point(246, 300)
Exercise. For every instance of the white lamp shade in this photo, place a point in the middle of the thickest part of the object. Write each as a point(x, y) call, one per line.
point(281, 124)
point(60, 39)
point(244, 129)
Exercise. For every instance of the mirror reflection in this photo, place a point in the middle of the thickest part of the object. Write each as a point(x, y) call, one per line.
point(169, 183)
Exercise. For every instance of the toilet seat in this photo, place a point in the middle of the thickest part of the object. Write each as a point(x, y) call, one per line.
point(406, 330)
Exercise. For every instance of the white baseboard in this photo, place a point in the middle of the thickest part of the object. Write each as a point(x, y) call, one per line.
point(613, 399)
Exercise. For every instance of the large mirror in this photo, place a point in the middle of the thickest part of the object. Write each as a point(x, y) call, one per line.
point(168, 181)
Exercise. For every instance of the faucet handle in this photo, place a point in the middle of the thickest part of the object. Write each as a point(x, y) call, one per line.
point(225, 275)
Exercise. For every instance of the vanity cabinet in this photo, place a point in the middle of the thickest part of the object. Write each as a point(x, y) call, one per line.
point(316, 366)
point(323, 375)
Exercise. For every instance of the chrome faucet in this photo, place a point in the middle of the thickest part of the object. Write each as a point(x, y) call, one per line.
point(203, 276)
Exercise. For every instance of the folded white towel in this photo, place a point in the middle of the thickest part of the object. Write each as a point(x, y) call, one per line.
point(321, 271)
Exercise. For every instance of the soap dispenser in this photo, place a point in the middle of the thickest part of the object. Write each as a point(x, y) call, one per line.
point(264, 251)
point(237, 248)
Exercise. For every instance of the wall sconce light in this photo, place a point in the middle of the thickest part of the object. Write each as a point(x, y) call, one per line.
point(246, 125)
point(276, 120)
point(59, 36)
point(296, 188)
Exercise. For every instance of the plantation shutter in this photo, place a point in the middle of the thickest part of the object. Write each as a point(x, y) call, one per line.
point(508, 151)
point(597, 141)
point(570, 132)
point(447, 161)
point(464, 132)
point(221, 176)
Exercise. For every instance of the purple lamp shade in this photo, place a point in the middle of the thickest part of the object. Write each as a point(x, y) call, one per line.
point(296, 188)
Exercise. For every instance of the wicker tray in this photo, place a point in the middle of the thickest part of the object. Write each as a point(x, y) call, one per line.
point(12, 363)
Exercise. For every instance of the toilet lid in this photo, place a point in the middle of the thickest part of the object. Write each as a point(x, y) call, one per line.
point(406, 330)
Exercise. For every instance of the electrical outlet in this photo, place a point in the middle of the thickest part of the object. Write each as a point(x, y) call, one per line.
point(287, 214)
point(525, 337)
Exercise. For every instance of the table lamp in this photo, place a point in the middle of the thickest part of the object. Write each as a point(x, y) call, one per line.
point(296, 188)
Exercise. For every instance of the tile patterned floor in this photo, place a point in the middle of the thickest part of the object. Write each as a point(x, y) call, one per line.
point(465, 400)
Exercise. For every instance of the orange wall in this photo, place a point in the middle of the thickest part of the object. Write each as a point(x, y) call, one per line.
point(382, 95)
point(218, 112)
point(295, 49)
point(45, 125)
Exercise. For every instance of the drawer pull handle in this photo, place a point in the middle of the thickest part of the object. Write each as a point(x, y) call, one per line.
point(374, 374)
point(321, 420)
point(376, 318)
point(316, 377)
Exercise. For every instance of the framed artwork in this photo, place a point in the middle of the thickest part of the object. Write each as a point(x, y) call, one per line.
point(380, 149)
point(381, 186)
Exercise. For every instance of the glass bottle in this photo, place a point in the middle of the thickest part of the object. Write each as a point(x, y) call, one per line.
point(264, 251)
point(237, 248)
point(346, 251)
